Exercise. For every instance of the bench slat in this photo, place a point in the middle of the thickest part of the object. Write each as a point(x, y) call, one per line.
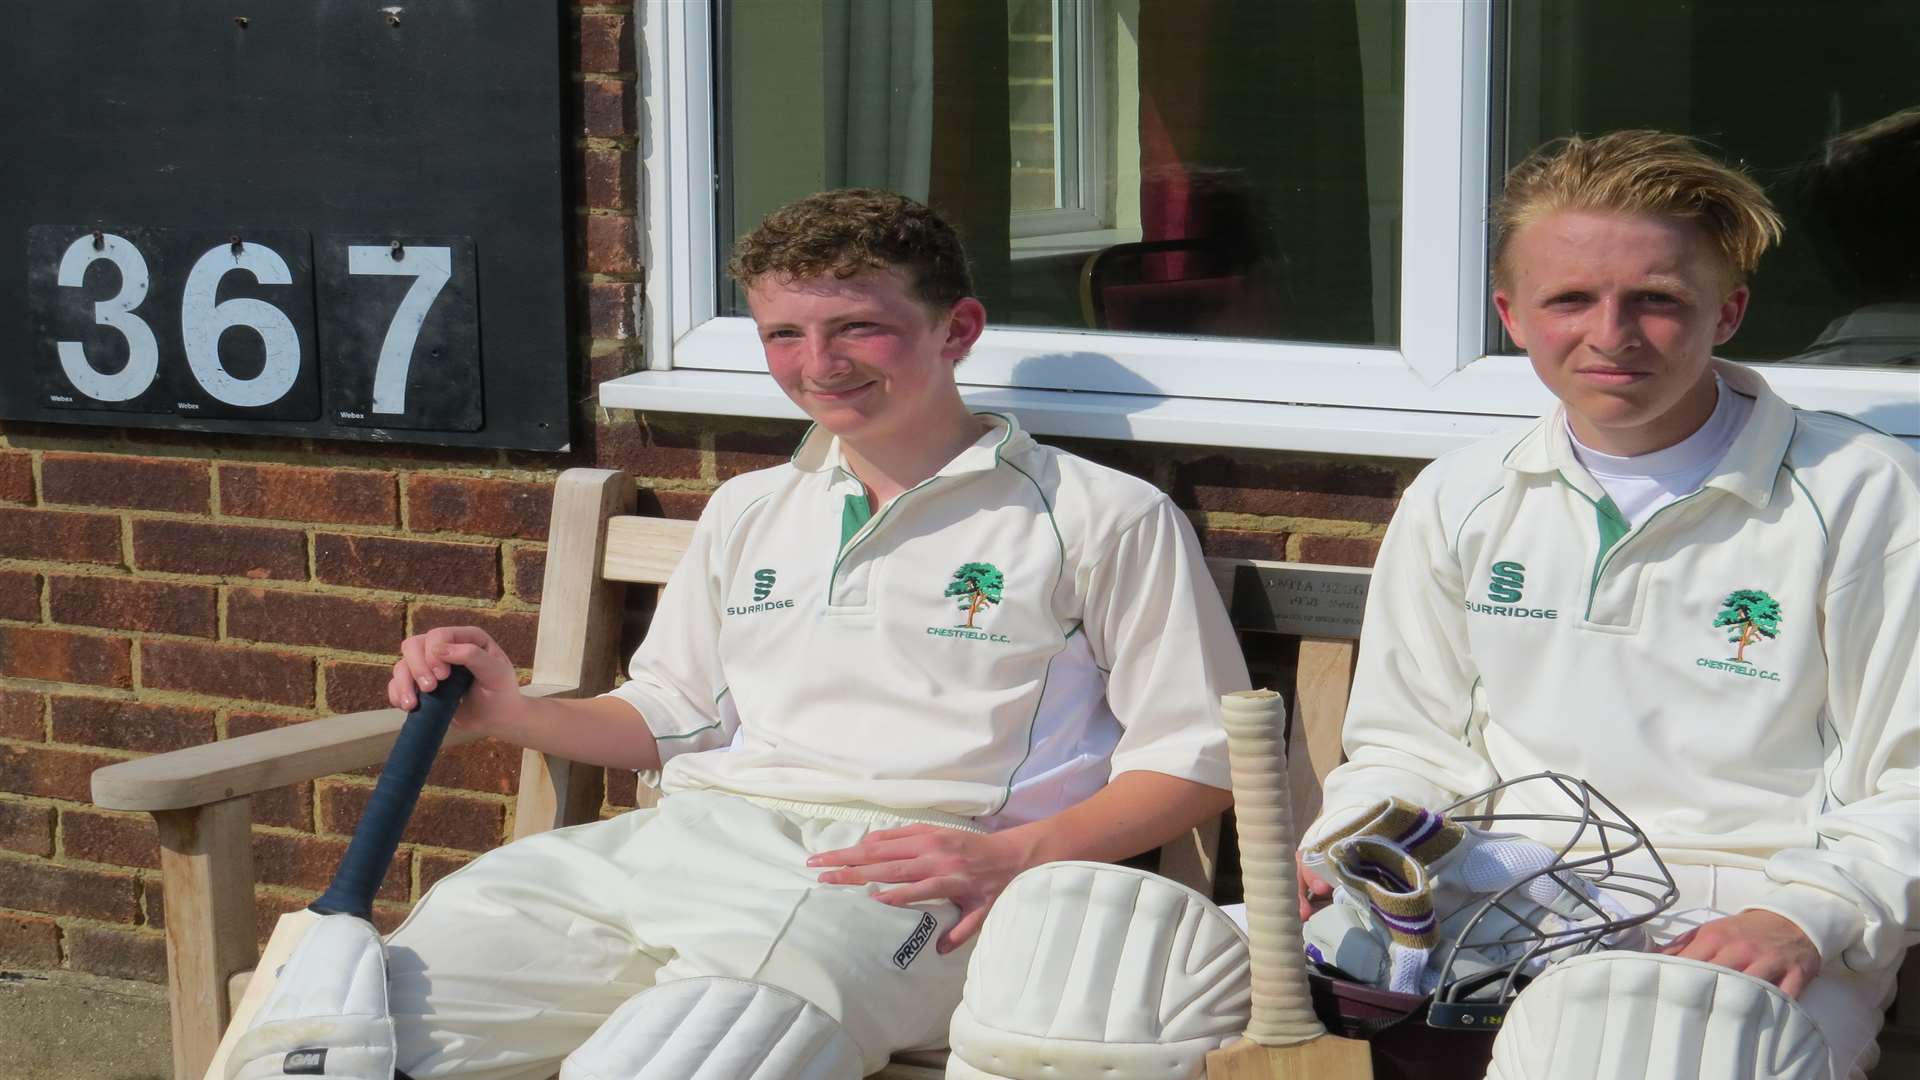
point(212, 772)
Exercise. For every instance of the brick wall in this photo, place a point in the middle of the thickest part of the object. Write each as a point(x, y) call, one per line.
point(161, 591)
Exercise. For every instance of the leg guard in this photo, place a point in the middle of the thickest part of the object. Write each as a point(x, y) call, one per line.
point(715, 1029)
point(1086, 969)
point(1626, 1016)
point(327, 1015)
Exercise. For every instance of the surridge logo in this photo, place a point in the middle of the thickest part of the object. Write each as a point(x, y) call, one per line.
point(1748, 616)
point(976, 586)
point(1506, 581)
point(763, 580)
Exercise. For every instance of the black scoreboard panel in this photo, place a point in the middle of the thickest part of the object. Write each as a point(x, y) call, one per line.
point(333, 218)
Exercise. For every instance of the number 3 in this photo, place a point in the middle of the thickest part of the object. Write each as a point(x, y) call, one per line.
point(143, 352)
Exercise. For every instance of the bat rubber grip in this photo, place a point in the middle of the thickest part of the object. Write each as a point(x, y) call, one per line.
point(365, 864)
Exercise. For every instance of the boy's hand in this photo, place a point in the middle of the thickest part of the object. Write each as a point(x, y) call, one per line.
point(929, 862)
point(494, 703)
point(1759, 943)
point(1315, 893)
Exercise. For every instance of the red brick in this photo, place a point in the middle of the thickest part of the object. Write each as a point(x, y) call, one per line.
point(762, 446)
point(126, 604)
point(62, 656)
point(1241, 544)
point(439, 820)
point(289, 807)
point(22, 715)
point(59, 537)
point(622, 786)
point(489, 765)
point(270, 902)
point(26, 828)
point(514, 631)
point(250, 722)
point(683, 505)
point(295, 493)
point(1135, 459)
point(29, 942)
point(19, 596)
point(1339, 550)
point(117, 954)
point(118, 839)
point(610, 309)
point(435, 865)
point(69, 890)
point(338, 622)
point(230, 671)
point(647, 448)
point(529, 572)
point(612, 244)
point(606, 43)
point(129, 725)
point(512, 509)
point(607, 108)
point(233, 551)
point(426, 566)
point(135, 482)
point(355, 687)
point(16, 466)
point(608, 182)
point(49, 772)
point(308, 862)
point(1288, 489)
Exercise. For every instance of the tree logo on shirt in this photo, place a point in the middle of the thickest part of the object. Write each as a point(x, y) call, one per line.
point(977, 586)
point(1748, 615)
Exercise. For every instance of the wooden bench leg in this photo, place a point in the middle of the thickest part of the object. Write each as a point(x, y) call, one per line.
point(206, 870)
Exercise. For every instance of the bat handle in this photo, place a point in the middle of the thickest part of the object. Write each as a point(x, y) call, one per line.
point(1256, 748)
point(365, 864)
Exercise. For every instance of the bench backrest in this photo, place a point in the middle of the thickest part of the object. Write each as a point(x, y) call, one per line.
point(597, 547)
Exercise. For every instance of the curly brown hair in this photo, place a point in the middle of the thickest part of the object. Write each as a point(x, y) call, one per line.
point(1638, 172)
point(853, 230)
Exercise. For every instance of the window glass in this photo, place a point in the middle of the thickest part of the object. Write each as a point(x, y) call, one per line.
point(1195, 167)
point(1820, 102)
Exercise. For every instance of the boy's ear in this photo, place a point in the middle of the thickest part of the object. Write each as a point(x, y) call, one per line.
point(1503, 303)
point(1733, 309)
point(966, 321)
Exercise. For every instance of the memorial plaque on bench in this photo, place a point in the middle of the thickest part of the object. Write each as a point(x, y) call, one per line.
point(1294, 598)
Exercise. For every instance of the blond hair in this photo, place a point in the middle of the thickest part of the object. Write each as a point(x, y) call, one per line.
point(853, 230)
point(1638, 172)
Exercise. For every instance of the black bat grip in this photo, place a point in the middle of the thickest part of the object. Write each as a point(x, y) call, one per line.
point(371, 850)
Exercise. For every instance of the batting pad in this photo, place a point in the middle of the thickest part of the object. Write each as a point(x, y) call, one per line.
point(1627, 1016)
point(1087, 969)
point(715, 1029)
point(327, 1015)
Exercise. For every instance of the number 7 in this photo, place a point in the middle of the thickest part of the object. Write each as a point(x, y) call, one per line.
point(431, 268)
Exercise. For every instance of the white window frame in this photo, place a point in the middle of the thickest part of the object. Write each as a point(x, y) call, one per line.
point(1080, 128)
point(1436, 391)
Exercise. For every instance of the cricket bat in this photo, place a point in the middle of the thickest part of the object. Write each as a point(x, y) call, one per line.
point(368, 854)
point(1284, 1039)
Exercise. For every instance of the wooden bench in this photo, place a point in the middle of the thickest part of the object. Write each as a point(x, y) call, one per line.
point(596, 548)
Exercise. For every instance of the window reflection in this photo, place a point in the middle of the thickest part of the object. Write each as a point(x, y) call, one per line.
point(1194, 167)
point(1817, 101)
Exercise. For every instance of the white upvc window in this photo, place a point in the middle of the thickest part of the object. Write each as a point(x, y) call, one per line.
point(1425, 384)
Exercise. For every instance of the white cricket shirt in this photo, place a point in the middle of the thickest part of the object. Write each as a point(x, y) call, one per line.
point(1737, 672)
point(992, 643)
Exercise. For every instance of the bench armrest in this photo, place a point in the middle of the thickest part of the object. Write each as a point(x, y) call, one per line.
point(232, 768)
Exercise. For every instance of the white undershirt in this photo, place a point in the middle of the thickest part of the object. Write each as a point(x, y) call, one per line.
point(1643, 483)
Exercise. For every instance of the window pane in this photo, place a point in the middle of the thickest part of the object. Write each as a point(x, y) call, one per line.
point(1817, 100)
point(1194, 167)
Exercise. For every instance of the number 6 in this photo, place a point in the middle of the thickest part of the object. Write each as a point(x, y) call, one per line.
point(202, 322)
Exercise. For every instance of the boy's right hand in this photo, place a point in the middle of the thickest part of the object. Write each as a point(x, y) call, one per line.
point(1315, 893)
point(492, 707)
